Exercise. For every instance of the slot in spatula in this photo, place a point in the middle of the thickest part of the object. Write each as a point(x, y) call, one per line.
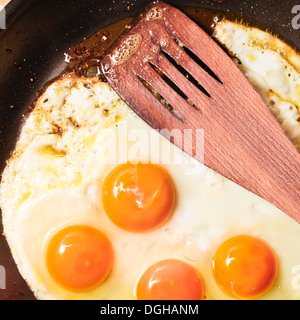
point(243, 140)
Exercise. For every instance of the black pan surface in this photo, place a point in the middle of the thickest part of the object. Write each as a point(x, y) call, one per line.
point(32, 48)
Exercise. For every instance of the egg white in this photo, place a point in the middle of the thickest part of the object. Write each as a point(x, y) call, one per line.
point(72, 139)
point(271, 66)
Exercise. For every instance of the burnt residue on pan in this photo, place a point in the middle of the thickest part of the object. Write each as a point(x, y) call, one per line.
point(46, 39)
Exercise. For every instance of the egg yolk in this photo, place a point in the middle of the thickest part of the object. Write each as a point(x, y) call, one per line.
point(79, 258)
point(138, 197)
point(244, 267)
point(170, 280)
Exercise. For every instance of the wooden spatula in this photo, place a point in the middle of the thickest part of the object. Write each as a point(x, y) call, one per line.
point(243, 140)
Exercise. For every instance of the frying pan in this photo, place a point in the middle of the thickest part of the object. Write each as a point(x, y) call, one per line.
point(32, 48)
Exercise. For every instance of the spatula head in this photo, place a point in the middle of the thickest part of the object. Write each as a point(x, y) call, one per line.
point(203, 88)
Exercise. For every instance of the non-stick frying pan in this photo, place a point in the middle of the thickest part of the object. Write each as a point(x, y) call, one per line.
point(32, 48)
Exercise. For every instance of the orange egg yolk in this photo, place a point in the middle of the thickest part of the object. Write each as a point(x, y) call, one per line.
point(244, 267)
point(138, 197)
point(170, 280)
point(79, 258)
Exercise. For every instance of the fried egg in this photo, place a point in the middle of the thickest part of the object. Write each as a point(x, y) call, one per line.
point(98, 205)
point(271, 66)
